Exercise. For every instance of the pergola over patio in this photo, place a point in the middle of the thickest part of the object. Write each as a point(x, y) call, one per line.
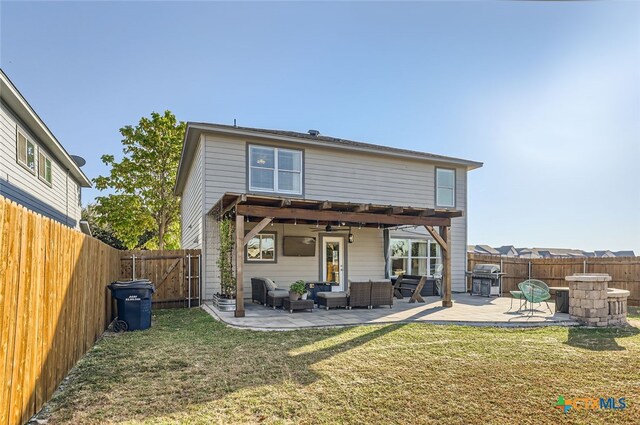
point(267, 209)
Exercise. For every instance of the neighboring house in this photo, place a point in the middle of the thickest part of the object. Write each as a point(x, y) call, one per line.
point(511, 251)
point(528, 253)
point(604, 254)
point(35, 170)
point(508, 251)
point(326, 176)
point(485, 250)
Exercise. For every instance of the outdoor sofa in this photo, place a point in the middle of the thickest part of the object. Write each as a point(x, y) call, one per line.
point(361, 294)
point(266, 292)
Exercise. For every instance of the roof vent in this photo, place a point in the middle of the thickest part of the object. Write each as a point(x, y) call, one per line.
point(313, 132)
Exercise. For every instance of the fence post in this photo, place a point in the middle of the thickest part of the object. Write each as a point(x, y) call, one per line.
point(133, 269)
point(584, 266)
point(199, 280)
point(529, 269)
point(189, 278)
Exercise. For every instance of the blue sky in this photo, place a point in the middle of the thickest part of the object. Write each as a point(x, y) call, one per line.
point(546, 95)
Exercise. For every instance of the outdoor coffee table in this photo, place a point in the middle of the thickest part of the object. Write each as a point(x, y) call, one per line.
point(290, 305)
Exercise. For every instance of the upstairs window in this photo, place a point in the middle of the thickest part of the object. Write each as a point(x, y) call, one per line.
point(275, 170)
point(26, 153)
point(445, 187)
point(44, 168)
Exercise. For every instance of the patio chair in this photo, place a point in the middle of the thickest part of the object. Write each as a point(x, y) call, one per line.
point(535, 292)
point(360, 294)
point(266, 292)
point(518, 295)
point(381, 294)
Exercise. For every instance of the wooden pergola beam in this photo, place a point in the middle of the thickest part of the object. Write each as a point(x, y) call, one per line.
point(395, 210)
point(263, 223)
point(239, 263)
point(443, 244)
point(361, 208)
point(351, 217)
point(241, 198)
point(445, 233)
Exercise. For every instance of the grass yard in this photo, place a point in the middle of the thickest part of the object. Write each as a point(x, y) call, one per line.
point(191, 369)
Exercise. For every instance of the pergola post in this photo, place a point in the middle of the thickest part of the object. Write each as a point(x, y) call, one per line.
point(239, 263)
point(445, 234)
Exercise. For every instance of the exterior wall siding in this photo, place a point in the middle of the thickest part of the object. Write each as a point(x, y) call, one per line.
point(365, 258)
point(60, 201)
point(337, 175)
point(191, 205)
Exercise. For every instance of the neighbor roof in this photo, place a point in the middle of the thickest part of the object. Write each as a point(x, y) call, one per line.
point(194, 129)
point(14, 99)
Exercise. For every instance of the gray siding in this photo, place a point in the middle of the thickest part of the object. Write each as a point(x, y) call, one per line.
point(365, 259)
point(60, 201)
point(191, 205)
point(334, 175)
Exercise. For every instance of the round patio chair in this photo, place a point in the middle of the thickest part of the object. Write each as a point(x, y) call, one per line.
point(518, 295)
point(535, 292)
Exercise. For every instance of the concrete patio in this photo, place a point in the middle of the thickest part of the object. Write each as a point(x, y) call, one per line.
point(466, 310)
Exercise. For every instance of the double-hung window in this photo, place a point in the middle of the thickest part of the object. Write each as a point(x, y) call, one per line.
point(26, 152)
point(44, 168)
point(414, 256)
point(445, 187)
point(262, 248)
point(275, 170)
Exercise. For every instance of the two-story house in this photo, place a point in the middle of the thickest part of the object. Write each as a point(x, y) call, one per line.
point(327, 209)
point(35, 169)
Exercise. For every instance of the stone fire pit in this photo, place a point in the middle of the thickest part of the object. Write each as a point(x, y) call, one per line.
point(593, 303)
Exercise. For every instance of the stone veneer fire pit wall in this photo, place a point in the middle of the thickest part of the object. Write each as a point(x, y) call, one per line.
point(593, 303)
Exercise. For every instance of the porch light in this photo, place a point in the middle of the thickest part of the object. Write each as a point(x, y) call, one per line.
point(350, 237)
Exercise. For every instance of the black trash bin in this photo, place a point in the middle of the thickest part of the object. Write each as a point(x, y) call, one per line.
point(133, 299)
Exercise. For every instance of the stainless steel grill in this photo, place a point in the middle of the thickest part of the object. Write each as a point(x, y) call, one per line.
point(486, 280)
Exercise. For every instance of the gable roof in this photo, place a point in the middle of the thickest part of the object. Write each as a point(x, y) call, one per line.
point(507, 249)
point(194, 129)
point(486, 249)
point(19, 105)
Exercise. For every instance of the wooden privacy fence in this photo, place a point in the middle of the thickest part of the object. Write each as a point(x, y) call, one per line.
point(175, 274)
point(624, 271)
point(53, 305)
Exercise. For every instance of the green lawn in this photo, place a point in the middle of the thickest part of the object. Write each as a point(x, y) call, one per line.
point(191, 369)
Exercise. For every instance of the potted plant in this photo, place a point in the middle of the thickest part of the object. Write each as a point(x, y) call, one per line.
point(297, 289)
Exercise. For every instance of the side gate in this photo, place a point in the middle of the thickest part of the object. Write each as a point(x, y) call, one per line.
point(175, 274)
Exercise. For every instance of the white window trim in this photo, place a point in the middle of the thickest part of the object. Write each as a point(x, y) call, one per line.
point(25, 165)
point(275, 170)
point(438, 186)
point(409, 257)
point(263, 260)
point(47, 157)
